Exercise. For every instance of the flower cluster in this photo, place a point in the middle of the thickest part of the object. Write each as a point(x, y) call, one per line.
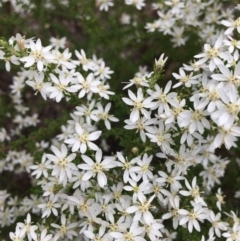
point(170, 168)
point(176, 18)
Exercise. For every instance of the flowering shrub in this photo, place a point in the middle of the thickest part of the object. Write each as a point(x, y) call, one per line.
point(94, 149)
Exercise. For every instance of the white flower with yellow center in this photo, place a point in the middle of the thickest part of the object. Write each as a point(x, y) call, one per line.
point(62, 164)
point(139, 104)
point(39, 85)
point(39, 55)
point(192, 217)
point(227, 112)
point(61, 86)
point(97, 168)
point(103, 114)
point(141, 209)
point(82, 139)
point(87, 85)
point(134, 233)
point(213, 54)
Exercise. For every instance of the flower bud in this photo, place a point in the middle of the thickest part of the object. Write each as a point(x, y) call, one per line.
point(135, 150)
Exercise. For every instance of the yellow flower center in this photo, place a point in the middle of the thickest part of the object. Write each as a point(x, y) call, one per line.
point(212, 53)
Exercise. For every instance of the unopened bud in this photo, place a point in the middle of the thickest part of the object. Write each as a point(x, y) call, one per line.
point(20, 45)
point(135, 150)
point(160, 62)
